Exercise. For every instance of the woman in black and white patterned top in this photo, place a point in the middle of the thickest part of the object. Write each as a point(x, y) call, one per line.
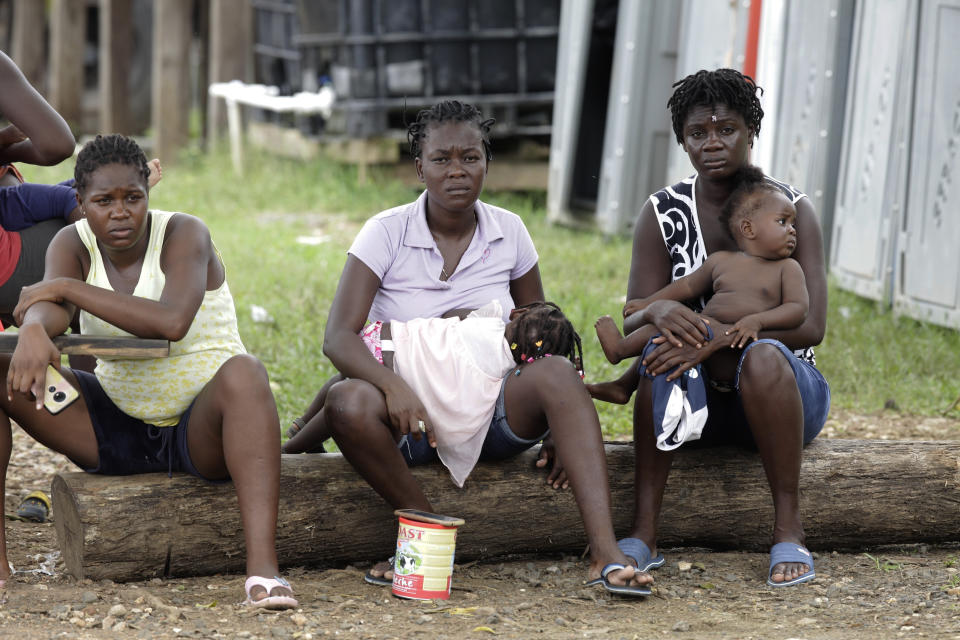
point(769, 394)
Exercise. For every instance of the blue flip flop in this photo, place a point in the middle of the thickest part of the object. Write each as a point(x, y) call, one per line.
point(637, 550)
point(623, 590)
point(790, 552)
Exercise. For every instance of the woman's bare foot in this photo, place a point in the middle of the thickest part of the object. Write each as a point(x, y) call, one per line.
point(626, 577)
point(789, 571)
point(612, 392)
point(156, 173)
point(610, 338)
point(381, 573)
point(269, 593)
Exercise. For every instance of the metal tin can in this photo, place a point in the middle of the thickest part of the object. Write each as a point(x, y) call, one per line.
point(423, 562)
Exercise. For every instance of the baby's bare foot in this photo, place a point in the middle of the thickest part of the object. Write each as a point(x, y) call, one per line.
point(610, 338)
point(612, 392)
point(156, 172)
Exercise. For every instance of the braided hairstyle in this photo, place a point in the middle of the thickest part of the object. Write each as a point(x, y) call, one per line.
point(543, 331)
point(104, 150)
point(749, 180)
point(448, 111)
point(708, 88)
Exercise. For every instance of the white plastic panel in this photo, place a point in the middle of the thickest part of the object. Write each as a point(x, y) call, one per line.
point(574, 43)
point(638, 124)
point(929, 287)
point(872, 189)
point(810, 110)
point(769, 76)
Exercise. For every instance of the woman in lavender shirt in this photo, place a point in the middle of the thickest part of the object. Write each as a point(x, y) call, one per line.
point(448, 250)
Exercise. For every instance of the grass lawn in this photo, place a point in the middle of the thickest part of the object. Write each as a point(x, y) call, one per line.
point(284, 227)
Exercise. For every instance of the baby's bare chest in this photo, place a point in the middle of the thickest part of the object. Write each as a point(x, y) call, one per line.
point(747, 287)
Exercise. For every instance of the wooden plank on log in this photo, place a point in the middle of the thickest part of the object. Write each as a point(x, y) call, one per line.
point(855, 493)
point(120, 347)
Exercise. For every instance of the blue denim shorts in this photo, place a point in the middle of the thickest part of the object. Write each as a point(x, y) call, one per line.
point(127, 445)
point(501, 443)
point(726, 422)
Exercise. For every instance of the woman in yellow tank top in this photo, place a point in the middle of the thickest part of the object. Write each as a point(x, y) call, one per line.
point(207, 409)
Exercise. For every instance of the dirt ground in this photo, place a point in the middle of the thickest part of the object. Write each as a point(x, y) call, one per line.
point(904, 592)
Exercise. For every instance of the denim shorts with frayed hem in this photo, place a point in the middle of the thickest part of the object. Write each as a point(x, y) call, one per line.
point(726, 422)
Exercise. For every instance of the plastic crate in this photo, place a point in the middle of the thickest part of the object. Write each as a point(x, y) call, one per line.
point(385, 56)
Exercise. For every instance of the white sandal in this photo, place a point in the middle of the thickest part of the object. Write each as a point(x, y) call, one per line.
point(269, 601)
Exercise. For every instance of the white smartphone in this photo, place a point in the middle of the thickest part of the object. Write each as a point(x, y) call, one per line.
point(57, 392)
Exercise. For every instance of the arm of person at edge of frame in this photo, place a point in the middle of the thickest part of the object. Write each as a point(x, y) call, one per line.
point(789, 314)
point(342, 345)
point(189, 263)
point(44, 319)
point(47, 137)
point(524, 290)
point(809, 254)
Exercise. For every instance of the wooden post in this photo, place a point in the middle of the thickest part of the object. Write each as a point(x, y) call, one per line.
point(27, 47)
point(231, 47)
point(172, 34)
point(116, 50)
point(68, 27)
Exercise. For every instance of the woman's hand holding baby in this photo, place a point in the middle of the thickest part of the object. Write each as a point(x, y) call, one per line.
point(677, 323)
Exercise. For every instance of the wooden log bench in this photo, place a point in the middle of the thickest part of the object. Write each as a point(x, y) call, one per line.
point(855, 493)
point(77, 344)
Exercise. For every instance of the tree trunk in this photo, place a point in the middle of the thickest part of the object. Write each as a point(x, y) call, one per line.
point(855, 493)
point(29, 20)
point(68, 28)
point(170, 110)
point(115, 55)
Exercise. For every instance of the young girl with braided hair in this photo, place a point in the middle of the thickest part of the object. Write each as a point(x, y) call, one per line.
point(456, 366)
